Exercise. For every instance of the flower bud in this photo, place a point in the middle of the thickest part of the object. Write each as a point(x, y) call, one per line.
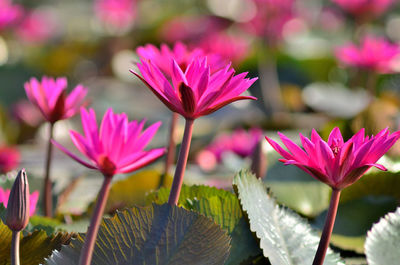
point(18, 203)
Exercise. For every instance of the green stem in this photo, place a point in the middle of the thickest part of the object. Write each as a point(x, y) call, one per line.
point(15, 248)
point(328, 227)
point(47, 199)
point(91, 235)
point(181, 164)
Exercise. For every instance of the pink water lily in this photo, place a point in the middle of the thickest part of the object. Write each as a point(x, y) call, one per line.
point(195, 92)
point(374, 54)
point(33, 199)
point(336, 163)
point(118, 147)
point(50, 97)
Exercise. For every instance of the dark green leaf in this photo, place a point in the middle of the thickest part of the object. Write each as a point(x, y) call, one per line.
point(158, 234)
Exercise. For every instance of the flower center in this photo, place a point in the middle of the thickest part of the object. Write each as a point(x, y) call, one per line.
point(187, 98)
point(107, 167)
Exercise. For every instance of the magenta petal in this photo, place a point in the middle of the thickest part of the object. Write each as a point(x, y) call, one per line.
point(378, 166)
point(73, 156)
point(279, 149)
point(150, 157)
point(294, 149)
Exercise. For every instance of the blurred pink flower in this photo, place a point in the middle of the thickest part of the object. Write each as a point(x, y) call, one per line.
point(270, 18)
point(195, 92)
point(364, 8)
point(336, 163)
point(9, 158)
point(36, 27)
point(117, 147)
point(9, 13)
point(374, 54)
point(33, 199)
point(191, 29)
point(239, 142)
point(232, 48)
point(25, 112)
point(119, 14)
point(50, 97)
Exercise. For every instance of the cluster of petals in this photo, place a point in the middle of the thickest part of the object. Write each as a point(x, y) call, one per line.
point(270, 18)
point(33, 199)
point(195, 92)
point(117, 147)
point(336, 163)
point(374, 54)
point(116, 13)
point(182, 54)
point(50, 97)
point(364, 8)
point(9, 13)
point(9, 158)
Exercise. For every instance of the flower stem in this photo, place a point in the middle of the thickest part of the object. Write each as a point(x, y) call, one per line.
point(328, 227)
point(91, 235)
point(15, 248)
point(171, 148)
point(258, 162)
point(47, 200)
point(181, 164)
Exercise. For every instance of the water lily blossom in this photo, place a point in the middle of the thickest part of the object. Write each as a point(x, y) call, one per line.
point(50, 97)
point(118, 147)
point(373, 54)
point(33, 199)
point(336, 163)
point(195, 92)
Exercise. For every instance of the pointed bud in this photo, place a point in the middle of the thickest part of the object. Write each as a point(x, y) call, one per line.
point(18, 203)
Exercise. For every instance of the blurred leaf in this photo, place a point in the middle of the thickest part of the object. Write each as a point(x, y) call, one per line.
point(375, 183)
point(46, 224)
point(157, 234)
point(296, 189)
point(383, 241)
point(34, 247)
point(284, 237)
point(224, 208)
point(133, 189)
point(306, 197)
point(355, 218)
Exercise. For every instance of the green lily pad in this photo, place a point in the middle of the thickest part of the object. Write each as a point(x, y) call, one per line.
point(224, 208)
point(157, 234)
